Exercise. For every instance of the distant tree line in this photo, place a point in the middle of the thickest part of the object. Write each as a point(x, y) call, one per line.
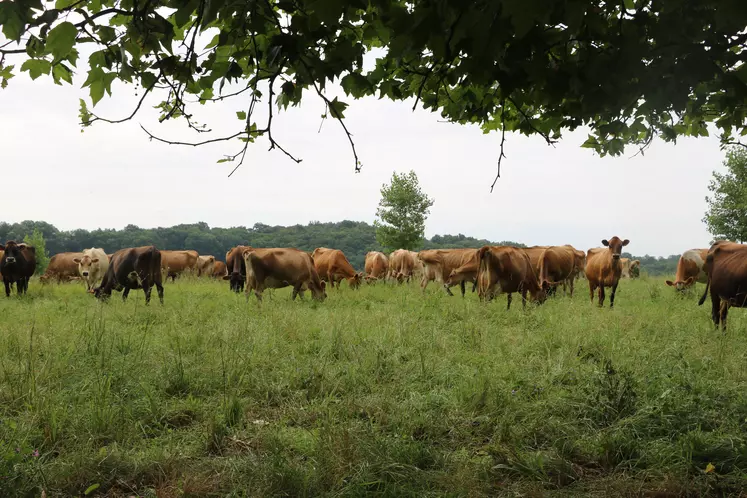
point(354, 238)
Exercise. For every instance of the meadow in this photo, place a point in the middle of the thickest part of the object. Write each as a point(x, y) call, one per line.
point(382, 391)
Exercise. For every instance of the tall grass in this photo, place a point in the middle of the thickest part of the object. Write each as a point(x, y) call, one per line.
point(381, 391)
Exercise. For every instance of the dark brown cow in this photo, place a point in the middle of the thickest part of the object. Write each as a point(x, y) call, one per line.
point(17, 265)
point(332, 266)
point(236, 268)
point(557, 266)
point(132, 268)
point(174, 263)
point(376, 266)
point(275, 268)
point(506, 269)
point(439, 265)
point(219, 269)
point(726, 266)
point(603, 268)
point(690, 269)
point(62, 267)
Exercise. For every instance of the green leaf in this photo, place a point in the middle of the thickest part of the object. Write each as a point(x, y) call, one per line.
point(148, 79)
point(97, 91)
point(36, 67)
point(629, 4)
point(11, 19)
point(62, 72)
point(91, 489)
point(61, 39)
point(207, 94)
point(63, 4)
point(337, 108)
point(241, 115)
point(355, 84)
point(184, 13)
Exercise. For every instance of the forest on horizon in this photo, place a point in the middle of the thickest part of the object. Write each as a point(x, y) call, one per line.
point(354, 238)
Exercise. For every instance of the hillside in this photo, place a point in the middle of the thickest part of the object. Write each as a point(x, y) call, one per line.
point(354, 238)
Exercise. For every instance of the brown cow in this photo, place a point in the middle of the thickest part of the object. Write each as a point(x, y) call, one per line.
point(506, 269)
point(17, 265)
point(132, 268)
point(690, 269)
point(726, 266)
point(439, 265)
point(236, 268)
point(61, 267)
point(205, 265)
point(401, 265)
point(219, 269)
point(376, 266)
point(557, 266)
point(332, 266)
point(275, 268)
point(535, 253)
point(174, 263)
point(603, 268)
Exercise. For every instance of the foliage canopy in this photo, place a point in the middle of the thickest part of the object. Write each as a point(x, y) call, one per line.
point(629, 70)
point(402, 212)
point(36, 240)
point(726, 216)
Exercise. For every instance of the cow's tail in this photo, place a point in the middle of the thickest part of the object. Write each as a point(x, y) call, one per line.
point(154, 255)
point(709, 270)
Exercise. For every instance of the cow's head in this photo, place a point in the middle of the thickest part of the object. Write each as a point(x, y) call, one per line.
point(615, 246)
point(319, 292)
point(355, 280)
point(84, 264)
point(102, 293)
point(680, 285)
point(12, 253)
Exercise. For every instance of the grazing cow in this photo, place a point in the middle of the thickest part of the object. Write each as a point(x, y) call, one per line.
point(506, 269)
point(332, 266)
point(174, 263)
point(418, 269)
point(62, 267)
point(376, 266)
point(236, 268)
point(132, 268)
point(92, 266)
point(557, 266)
point(275, 268)
point(579, 262)
point(690, 269)
point(219, 270)
point(402, 263)
point(205, 265)
point(635, 269)
point(535, 253)
point(17, 265)
point(726, 266)
point(603, 268)
point(440, 265)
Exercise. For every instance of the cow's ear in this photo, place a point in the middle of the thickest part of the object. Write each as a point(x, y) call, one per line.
point(626, 242)
point(95, 260)
point(324, 284)
point(226, 277)
point(605, 243)
point(689, 280)
point(76, 261)
point(670, 283)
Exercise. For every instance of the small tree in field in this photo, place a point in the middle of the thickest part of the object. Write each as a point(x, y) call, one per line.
point(402, 212)
point(42, 256)
point(726, 217)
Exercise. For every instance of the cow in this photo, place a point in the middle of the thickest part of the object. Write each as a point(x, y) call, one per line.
point(624, 267)
point(726, 267)
point(132, 268)
point(205, 265)
point(635, 269)
point(17, 265)
point(92, 266)
point(174, 263)
point(603, 268)
point(61, 268)
point(275, 268)
point(219, 269)
point(506, 269)
point(109, 257)
point(690, 269)
point(401, 265)
point(557, 265)
point(418, 268)
point(535, 253)
point(439, 265)
point(332, 266)
point(579, 262)
point(236, 268)
point(376, 266)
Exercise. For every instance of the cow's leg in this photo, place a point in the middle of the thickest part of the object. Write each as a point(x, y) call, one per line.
point(147, 287)
point(592, 288)
point(508, 300)
point(7, 288)
point(125, 293)
point(296, 291)
point(723, 311)
point(523, 298)
point(424, 282)
point(612, 295)
point(715, 309)
point(463, 287)
point(159, 289)
point(570, 284)
point(601, 294)
point(19, 286)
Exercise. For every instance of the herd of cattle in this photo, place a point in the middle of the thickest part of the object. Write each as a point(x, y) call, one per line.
point(535, 271)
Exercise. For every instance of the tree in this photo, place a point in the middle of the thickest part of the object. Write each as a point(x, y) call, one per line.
point(402, 212)
point(36, 240)
point(726, 216)
point(630, 70)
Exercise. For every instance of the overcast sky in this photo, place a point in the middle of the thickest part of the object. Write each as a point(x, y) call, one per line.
point(112, 175)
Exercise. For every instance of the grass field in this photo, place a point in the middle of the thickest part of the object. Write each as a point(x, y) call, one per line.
point(382, 392)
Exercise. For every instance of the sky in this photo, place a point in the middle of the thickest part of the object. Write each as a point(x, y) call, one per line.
point(112, 175)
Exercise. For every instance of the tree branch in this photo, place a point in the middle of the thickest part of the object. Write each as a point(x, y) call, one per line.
point(529, 122)
point(193, 144)
point(89, 19)
point(503, 141)
point(137, 108)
